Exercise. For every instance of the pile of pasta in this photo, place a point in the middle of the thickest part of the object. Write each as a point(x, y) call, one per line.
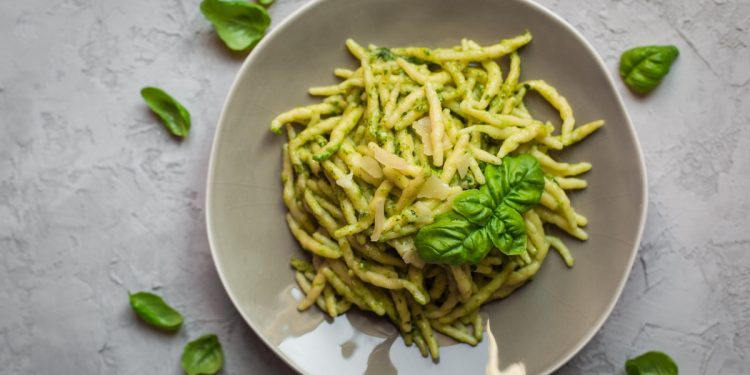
point(386, 150)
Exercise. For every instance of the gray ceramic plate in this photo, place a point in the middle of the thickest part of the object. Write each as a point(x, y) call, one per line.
point(540, 327)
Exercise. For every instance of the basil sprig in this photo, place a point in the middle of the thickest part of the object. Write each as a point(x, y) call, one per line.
point(240, 24)
point(203, 356)
point(174, 116)
point(651, 363)
point(485, 217)
point(643, 68)
point(154, 311)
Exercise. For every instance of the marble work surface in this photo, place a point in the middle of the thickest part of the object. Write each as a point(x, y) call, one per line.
point(96, 199)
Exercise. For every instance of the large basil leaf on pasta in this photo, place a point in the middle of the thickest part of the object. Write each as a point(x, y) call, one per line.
point(518, 182)
point(474, 205)
point(486, 217)
point(509, 230)
point(240, 24)
point(452, 239)
point(643, 68)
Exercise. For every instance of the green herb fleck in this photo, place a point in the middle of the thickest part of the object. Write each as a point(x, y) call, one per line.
point(415, 60)
point(383, 53)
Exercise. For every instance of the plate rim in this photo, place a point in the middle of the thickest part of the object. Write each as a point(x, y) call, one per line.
point(267, 39)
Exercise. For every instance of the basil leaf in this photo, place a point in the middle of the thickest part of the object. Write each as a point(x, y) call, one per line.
point(240, 24)
point(651, 363)
point(175, 117)
point(154, 311)
point(643, 68)
point(510, 238)
point(452, 239)
point(203, 356)
point(487, 217)
point(475, 205)
point(518, 182)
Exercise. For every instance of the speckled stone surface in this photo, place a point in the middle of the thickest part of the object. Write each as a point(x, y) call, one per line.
point(97, 199)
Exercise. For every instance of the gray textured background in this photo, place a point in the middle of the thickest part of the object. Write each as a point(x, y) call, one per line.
point(96, 199)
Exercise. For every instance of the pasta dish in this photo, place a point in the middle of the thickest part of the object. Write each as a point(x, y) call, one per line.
point(420, 186)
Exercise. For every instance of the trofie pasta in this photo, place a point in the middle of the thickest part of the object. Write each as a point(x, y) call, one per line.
point(385, 154)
